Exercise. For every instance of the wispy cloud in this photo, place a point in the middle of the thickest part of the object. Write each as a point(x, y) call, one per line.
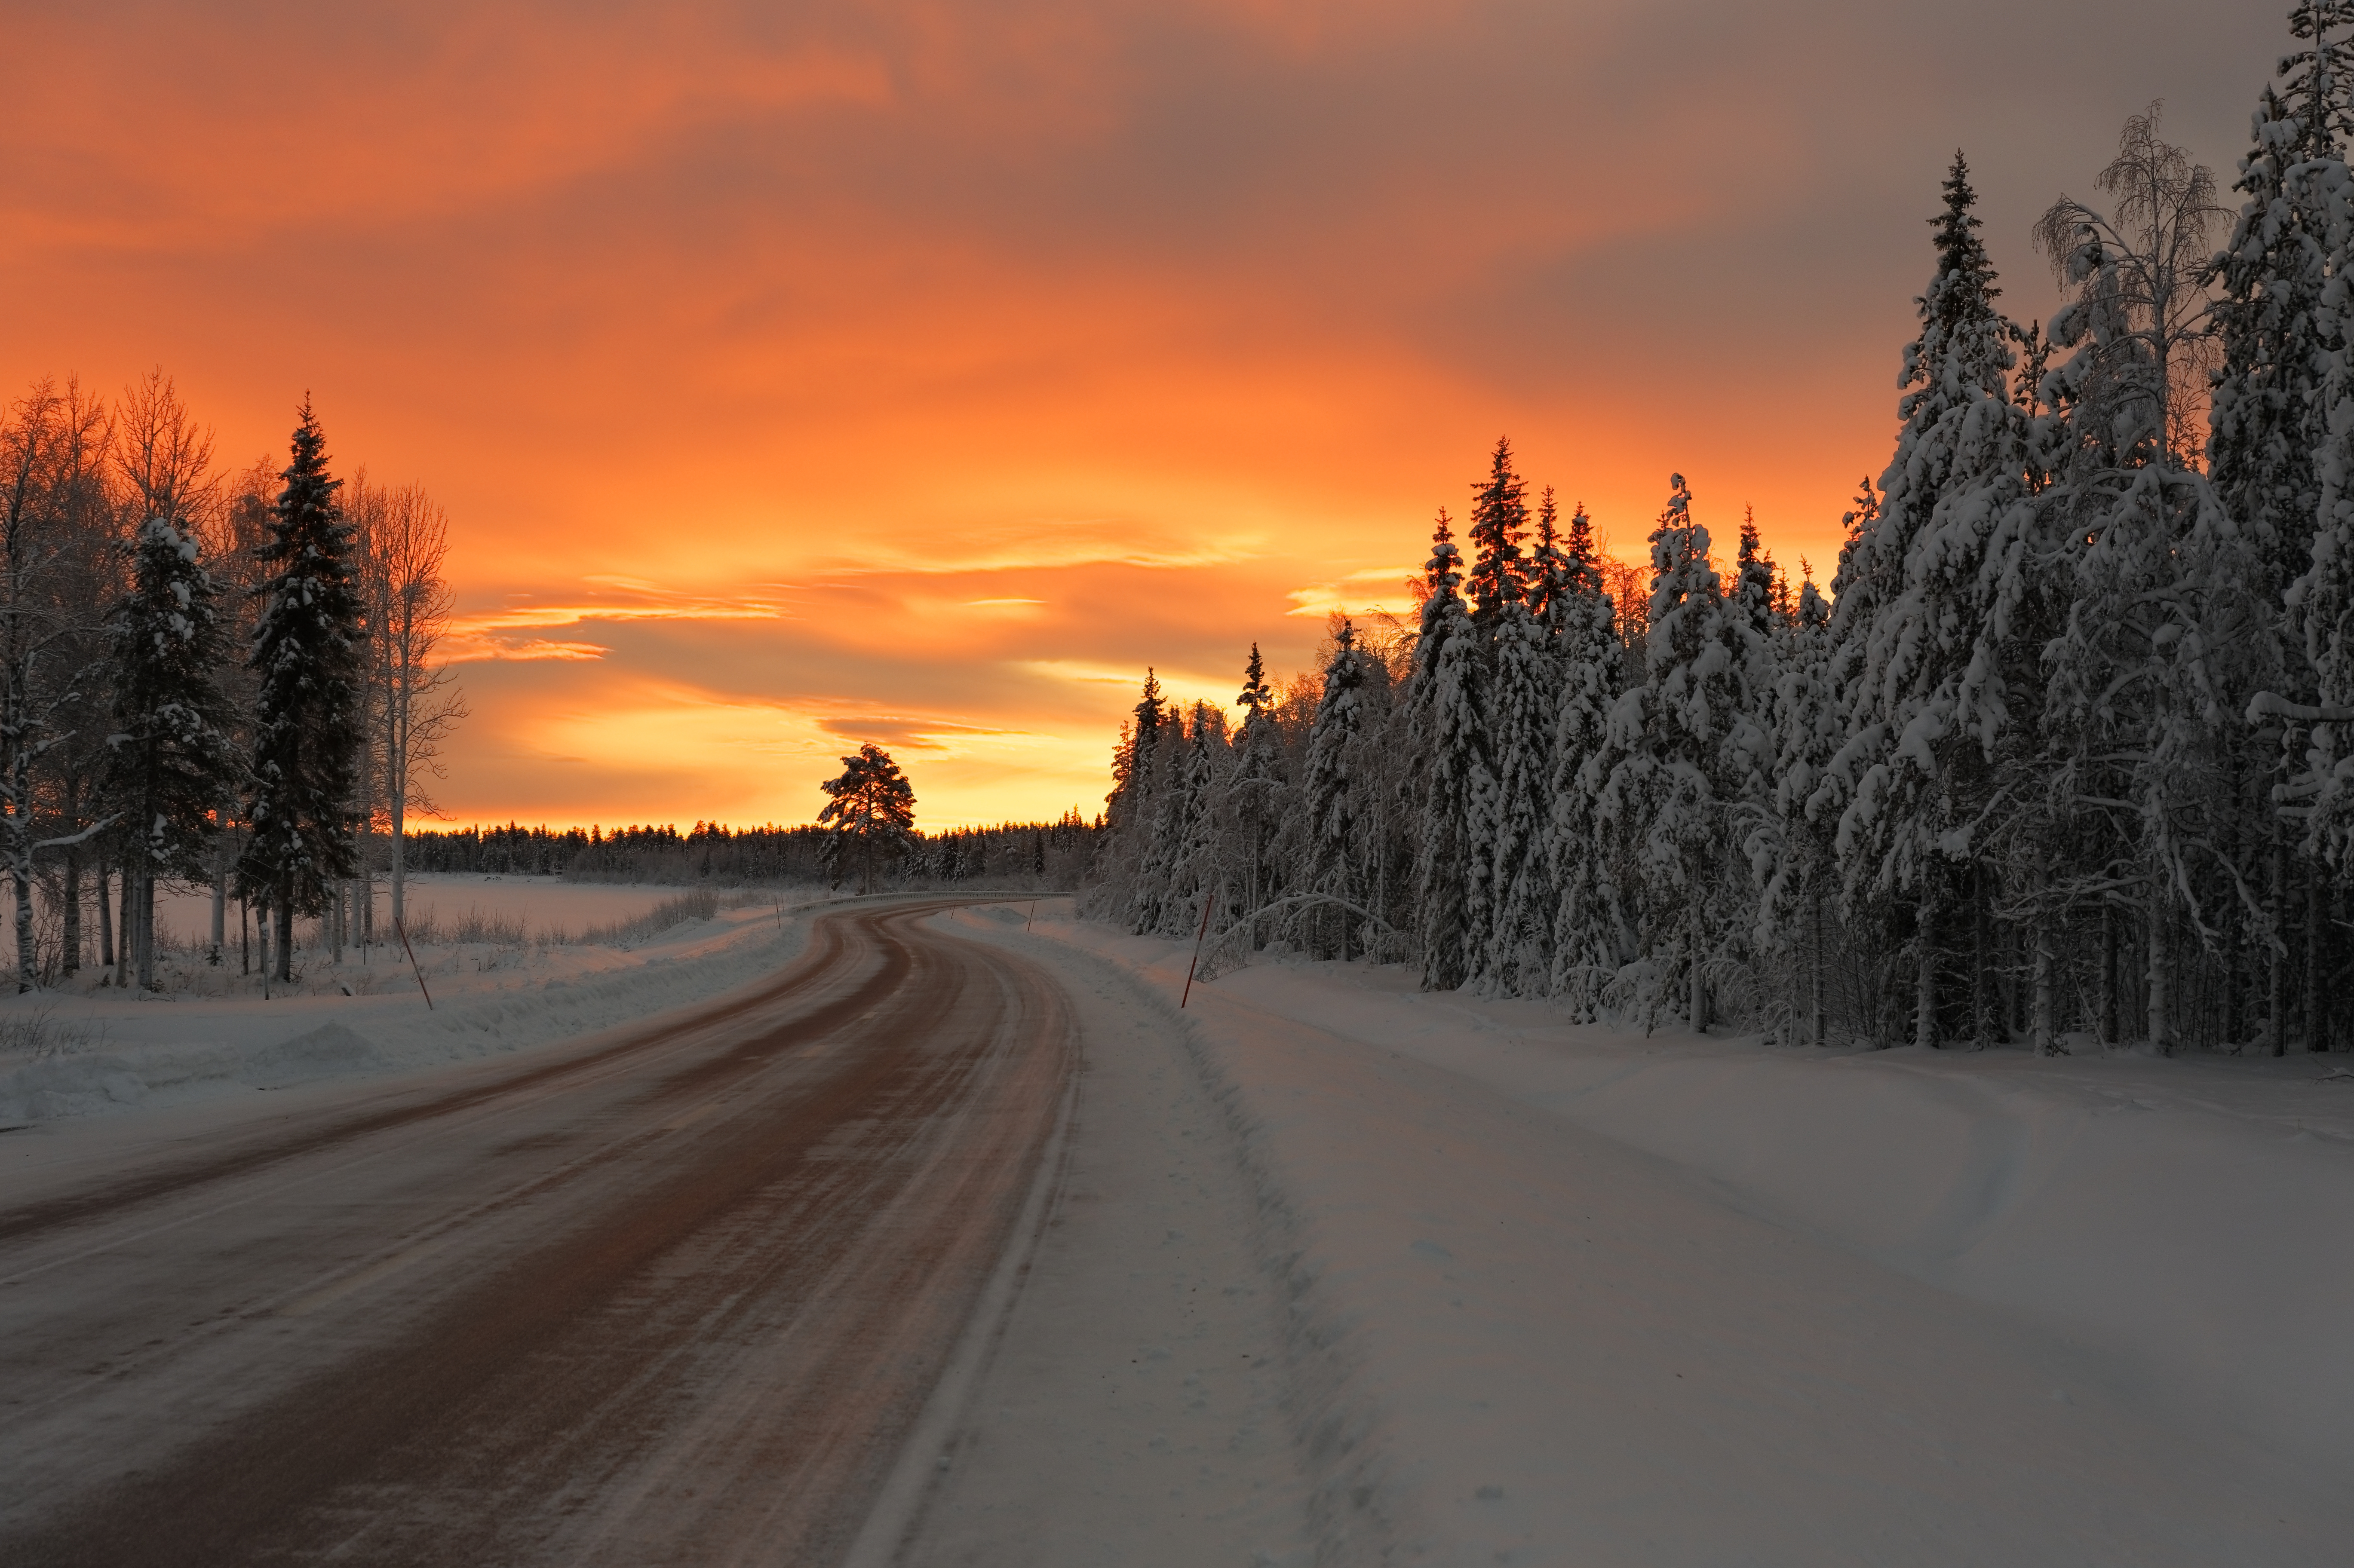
point(624, 599)
point(476, 647)
point(1358, 593)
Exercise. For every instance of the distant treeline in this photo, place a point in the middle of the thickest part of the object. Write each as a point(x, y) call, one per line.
point(1030, 854)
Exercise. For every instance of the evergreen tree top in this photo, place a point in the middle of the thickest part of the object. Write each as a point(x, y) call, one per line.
point(1552, 576)
point(1255, 695)
point(1579, 543)
point(309, 500)
point(1963, 288)
point(2319, 85)
point(1442, 580)
point(1756, 579)
point(1499, 519)
point(1148, 710)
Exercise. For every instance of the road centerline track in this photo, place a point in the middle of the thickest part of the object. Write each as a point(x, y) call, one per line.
point(674, 1299)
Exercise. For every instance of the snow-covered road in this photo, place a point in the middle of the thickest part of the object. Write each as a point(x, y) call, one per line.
point(673, 1296)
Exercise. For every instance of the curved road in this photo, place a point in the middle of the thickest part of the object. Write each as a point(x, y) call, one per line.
point(673, 1299)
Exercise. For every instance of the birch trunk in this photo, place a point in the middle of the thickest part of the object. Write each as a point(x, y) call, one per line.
point(105, 921)
point(70, 951)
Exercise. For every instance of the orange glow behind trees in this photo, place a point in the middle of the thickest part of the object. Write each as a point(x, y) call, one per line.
point(915, 375)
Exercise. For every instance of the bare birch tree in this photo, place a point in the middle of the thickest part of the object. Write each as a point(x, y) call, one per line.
point(418, 703)
point(2144, 300)
point(52, 452)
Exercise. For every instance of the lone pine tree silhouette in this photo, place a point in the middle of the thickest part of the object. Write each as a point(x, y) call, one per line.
point(872, 805)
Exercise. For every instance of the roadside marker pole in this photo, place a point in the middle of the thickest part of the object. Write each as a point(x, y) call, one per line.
point(1198, 940)
point(414, 965)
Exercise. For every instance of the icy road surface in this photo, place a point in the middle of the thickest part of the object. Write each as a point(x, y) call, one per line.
point(672, 1295)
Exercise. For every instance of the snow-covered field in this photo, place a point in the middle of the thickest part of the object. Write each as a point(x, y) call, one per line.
point(1573, 1294)
point(88, 1050)
point(542, 906)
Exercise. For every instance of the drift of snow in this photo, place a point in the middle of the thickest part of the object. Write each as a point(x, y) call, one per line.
point(1574, 1294)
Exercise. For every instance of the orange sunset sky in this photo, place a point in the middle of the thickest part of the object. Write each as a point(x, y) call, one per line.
point(798, 374)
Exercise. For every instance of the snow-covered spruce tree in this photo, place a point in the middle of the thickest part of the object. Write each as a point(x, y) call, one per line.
point(307, 723)
point(1551, 574)
point(1685, 754)
point(1155, 904)
point(1329, 800)
point(1790, 852)
point(1510, 906)
point(1757, 582)
point(1255, 795)
point(1388, 786)
point(1444, 736)
point(1128, 809)
point(2268, 426)
point(1929, 703)
point(1592, 938)
point(1196, 870)
point(1493, 851)
point(171, 759)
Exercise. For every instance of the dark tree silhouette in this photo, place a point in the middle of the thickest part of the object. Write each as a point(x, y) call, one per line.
point(871, 806)
point(306, 721)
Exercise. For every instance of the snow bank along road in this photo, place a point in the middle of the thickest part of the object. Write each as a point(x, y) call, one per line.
point(669, 1294)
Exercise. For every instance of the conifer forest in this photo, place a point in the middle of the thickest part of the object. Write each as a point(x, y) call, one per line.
point(2064, 752)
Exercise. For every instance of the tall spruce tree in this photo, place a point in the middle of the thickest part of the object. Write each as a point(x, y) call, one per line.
point(2279, 332)
point(1684, 751)
point(1443, 731)
point(171, 763)
point(1927, 704)
point(1506, 692)
point(307, 723)
point(1329, 797)
point(1254, 788)
point(1793, 850)
point(1592, 938)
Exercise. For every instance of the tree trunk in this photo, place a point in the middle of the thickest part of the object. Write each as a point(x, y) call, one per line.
point(147, 931)
point(1981, 965)
point(1925, 979)
point(2278, 1000)
point(398, 847)
point(2108, 986)
point(284, 910)
point(2160, 1002)
point(2316, 961)
point(1699, 976)
point(23, 878)
point(2046, 1043)
point(126, 943)
point(220, 910)
point(1815, 969)
point(105, 925)
point(70, 895)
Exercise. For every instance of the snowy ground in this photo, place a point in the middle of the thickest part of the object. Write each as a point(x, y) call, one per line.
point(1568, 1295)
point(86, 1050)
point(1341, 1272)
